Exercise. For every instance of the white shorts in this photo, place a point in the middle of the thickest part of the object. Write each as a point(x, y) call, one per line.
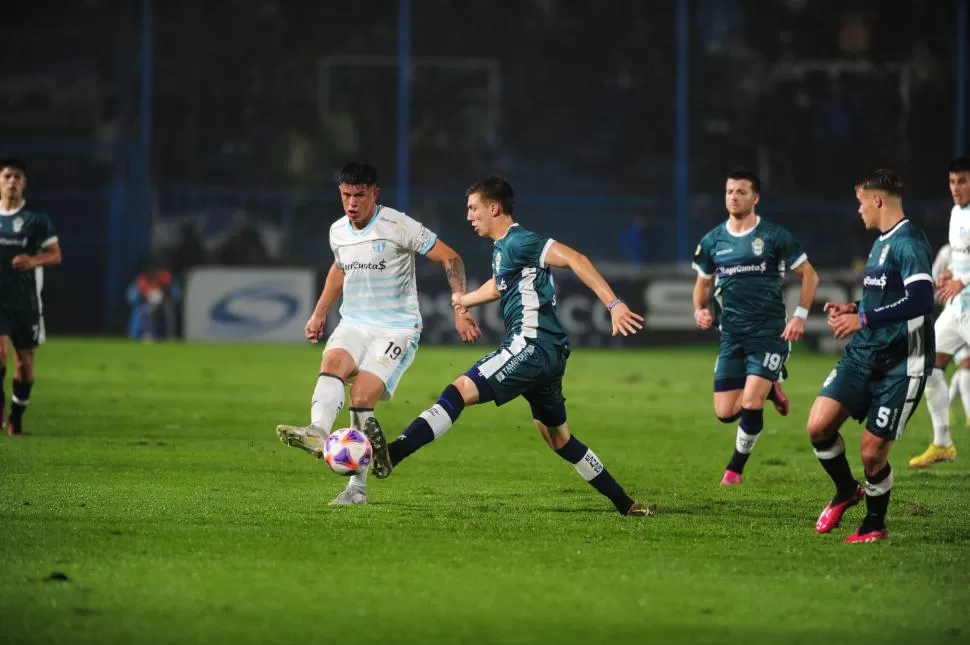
point(952, 331)
point(385, 352)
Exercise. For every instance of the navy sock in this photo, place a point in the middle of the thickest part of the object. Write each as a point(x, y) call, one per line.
point(428, 426)
point(878, 488)
point(591, 469)
point(3, 394)
point(752, 422)
point(831, 454)
point(18, 404)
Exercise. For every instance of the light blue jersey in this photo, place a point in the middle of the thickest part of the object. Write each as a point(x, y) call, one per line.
point(380, 288)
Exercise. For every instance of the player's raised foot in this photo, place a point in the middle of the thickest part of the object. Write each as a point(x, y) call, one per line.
point(731, 478)
point(381, 466)
point(832, 514)
point(641, 510)
point(301, 437)
point(350, 496)
point(934, 454)
point(779, 399)
point(869, 536)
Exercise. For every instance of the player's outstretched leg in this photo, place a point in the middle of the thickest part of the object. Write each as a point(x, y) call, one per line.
point(426, 427)
point(326, 403)
point(587, 464)
point(937, 401)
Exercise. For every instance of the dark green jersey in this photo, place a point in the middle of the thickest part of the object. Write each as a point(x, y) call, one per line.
point(24, 231)
point(898, 257)
point(747, 271)
point(528, 295)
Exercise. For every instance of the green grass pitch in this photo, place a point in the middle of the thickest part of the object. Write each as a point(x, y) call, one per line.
point(152, 479)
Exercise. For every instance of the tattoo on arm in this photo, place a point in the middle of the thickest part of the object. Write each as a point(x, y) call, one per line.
point(455, 272)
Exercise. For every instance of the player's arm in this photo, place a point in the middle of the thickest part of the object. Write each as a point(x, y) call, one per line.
point(916, 301)
point(941, 265)
point(454, 267)
point(702, 296)
point(49, 256)
point(486, 293)
point(333, 286)
point(624, 321)
point(796, 326)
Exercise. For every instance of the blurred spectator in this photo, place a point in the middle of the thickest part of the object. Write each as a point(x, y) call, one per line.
point(153, 297)
point(244, 245)
point(190, 250)
point(633, 240)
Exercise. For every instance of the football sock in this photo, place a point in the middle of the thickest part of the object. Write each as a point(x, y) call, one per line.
point(18, 402)
point(358, 417)
point(590, 468)
point(936, 401)
point(878, 487)
point(429, 425)
point(954, 388)
point(327, 402)
point(964, 383)
point(752, 422)
point(831, 454)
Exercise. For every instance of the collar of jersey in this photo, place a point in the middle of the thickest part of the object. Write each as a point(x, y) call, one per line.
point(370, 224)
point(22, 206)
point(511, 226)
point(757, 223)
point(888, 234)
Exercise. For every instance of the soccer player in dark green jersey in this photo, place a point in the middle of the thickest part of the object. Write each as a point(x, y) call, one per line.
point(532, 360)
point(883, 371)
point(27, 245)
point(743, 262)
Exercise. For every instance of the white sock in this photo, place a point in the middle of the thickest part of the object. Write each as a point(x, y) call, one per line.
point(954, 388)
point(744, 442)
point(936, 401)
point(326, 404)
point(359, 416)
point(965, 391)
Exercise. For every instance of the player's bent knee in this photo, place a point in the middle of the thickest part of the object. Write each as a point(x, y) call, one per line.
point(551, 415)
point(471, 390)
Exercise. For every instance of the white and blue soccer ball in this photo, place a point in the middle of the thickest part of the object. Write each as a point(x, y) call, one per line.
point(347, 451)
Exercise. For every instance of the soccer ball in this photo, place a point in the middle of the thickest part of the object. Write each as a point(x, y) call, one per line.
point(347, 451)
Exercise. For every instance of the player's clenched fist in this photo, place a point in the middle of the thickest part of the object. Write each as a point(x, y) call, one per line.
point(314, 328)
point(703, 318)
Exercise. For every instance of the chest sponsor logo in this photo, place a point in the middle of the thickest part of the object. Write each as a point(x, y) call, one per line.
point(879, 282)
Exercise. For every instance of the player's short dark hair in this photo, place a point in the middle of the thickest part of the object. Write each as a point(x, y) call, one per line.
point(960, 164)
point(744, 173)
point(357, 173)
point(883, 179)
point(495, 189)
point(13, 162)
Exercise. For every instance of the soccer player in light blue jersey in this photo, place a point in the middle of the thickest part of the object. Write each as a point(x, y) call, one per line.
point(953, 326)
point(531, 361)
point(380, 323)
